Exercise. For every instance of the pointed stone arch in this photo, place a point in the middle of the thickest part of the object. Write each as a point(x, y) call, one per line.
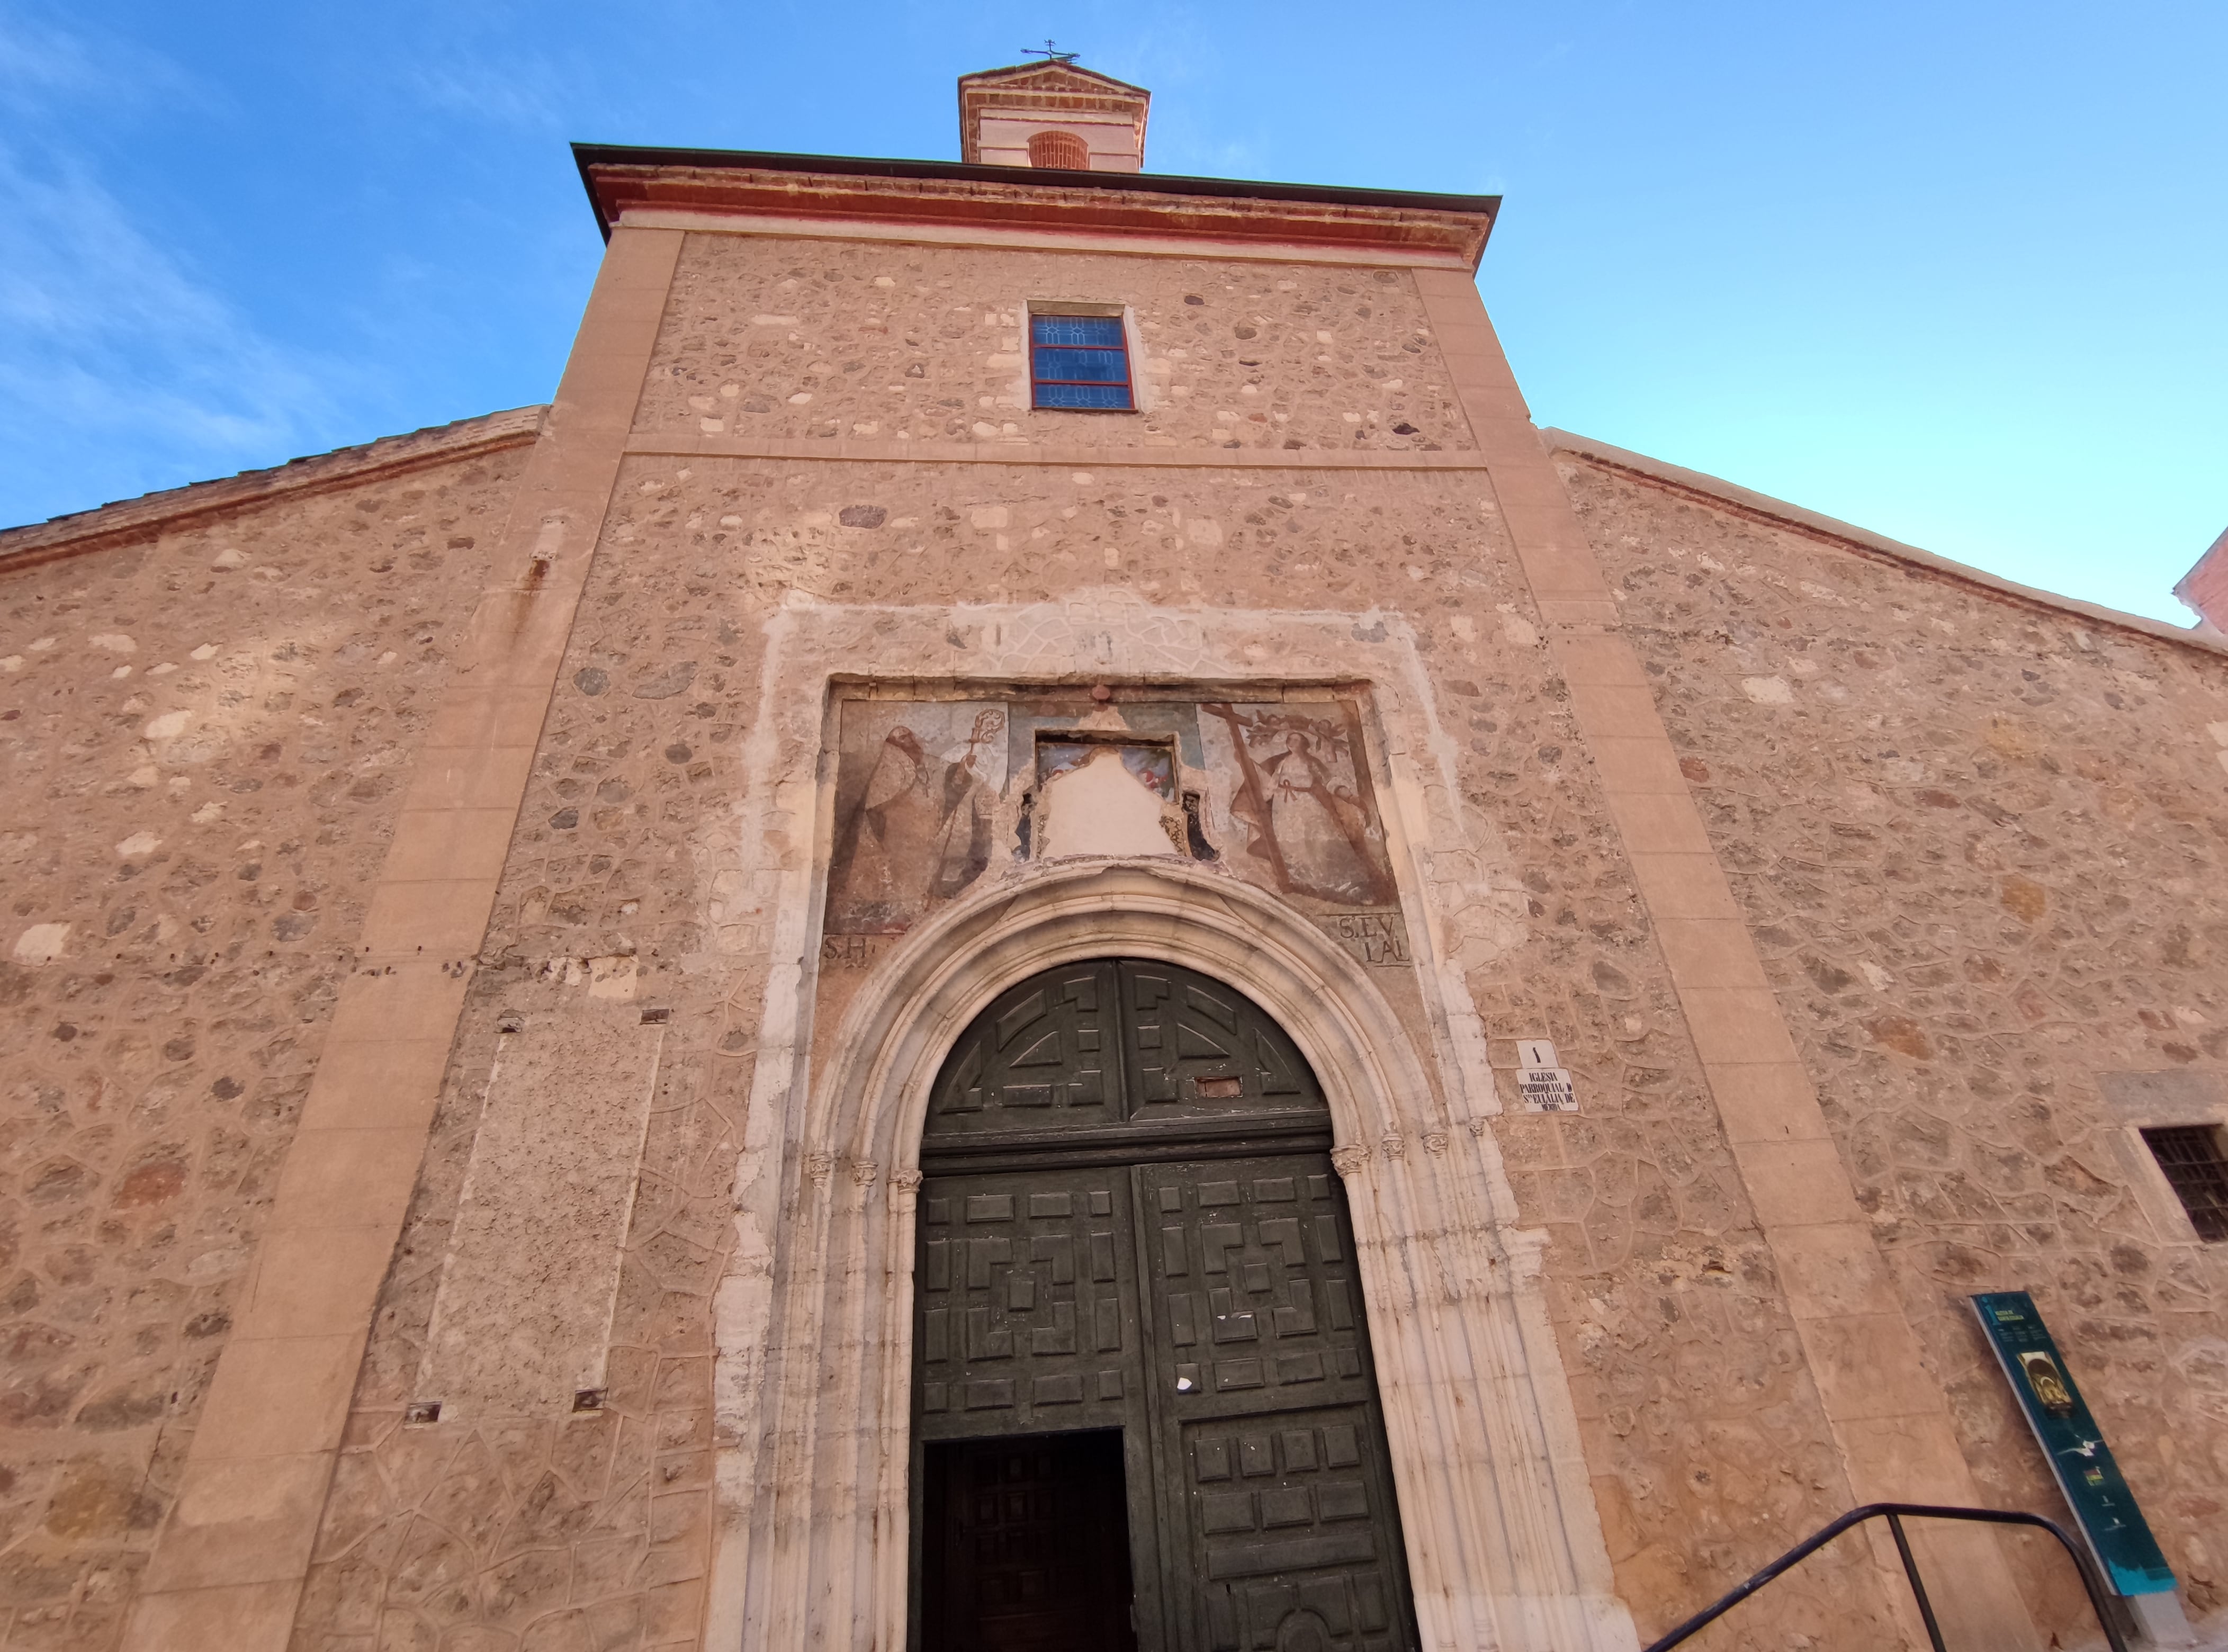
point(1504, 1544)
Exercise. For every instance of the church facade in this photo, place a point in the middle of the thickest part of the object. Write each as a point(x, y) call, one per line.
point(1031, 932)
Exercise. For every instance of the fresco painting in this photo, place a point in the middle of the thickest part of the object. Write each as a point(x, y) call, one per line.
point(916, 798)
point(1029, 718)
point(1299, 795)
point(1277, 792)
point(1153, 766)
point(1105, 796)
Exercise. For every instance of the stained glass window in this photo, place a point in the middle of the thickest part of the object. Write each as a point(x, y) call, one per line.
point(1080, 362)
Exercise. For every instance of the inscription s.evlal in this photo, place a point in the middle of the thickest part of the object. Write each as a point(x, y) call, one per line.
point(1371, 936)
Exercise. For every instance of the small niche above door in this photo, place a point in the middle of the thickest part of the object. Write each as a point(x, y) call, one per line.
point(1102, 796)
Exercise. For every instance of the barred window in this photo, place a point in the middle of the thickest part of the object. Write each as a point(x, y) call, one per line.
point(2191, 1156)
point(1080, 362)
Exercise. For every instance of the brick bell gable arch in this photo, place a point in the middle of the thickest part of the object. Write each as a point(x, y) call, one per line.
point(1503, 1543)
point(1059, 149)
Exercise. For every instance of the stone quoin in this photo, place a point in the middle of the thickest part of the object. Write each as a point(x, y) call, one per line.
point(1031, 932)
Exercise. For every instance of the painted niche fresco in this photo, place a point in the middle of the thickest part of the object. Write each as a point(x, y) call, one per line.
point(1153, 767)
point(1105, 798)
point(1299, 798)
point(933, 797)
point(916, 792)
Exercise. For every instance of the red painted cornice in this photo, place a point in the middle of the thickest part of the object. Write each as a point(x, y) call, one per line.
point(840, 190)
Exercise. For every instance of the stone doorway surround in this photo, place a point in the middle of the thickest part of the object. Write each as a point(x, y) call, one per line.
point(1504, 1548)
point(812, 1325)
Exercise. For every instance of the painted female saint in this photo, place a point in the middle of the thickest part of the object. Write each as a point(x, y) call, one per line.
point(1299, 798)
point(915, 825)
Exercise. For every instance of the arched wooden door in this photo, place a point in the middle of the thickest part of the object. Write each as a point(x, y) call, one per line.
point(1144, 1414)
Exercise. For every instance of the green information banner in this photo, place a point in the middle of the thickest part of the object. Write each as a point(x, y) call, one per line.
point(2118, 1535)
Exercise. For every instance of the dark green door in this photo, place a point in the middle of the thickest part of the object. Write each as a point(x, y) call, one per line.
point(1130, 1228)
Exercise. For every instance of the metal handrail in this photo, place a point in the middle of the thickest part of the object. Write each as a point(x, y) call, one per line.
point(1894, 1513)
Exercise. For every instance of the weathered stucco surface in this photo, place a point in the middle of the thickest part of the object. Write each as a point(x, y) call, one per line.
point(1983, 847)
point(204, 733)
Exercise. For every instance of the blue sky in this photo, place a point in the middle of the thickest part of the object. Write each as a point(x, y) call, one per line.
point(1953, 271)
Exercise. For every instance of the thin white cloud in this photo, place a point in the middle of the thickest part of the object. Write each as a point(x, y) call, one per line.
point(36, 58)
point(44, 64)
point(106, 339)
point(121, 368)
point(526, 93)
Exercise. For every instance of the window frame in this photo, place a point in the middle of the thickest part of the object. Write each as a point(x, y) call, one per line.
point(2203, 1195)
point(1081, 310)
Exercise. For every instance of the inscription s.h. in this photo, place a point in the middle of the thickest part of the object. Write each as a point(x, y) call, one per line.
point(852, 951)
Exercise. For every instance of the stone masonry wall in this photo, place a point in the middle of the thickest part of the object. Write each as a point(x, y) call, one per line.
point(800, 339)
point(1981, 845)
point(203, 737)
point(593, 1530)
point(1984, 848)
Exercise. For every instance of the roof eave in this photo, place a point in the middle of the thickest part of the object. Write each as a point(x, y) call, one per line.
point(1076, 68)
point(1732, 497)
point(588, 157)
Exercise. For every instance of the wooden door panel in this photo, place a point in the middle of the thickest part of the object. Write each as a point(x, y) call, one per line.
point(1198, 1050)
point(1024, 1304)
point(1045, 1055)
point(1282, 1528)
point(1294, 1544)
point(1206, 1307)
point(1250, 1275)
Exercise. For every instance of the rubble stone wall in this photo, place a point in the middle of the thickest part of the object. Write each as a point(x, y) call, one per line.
point(204, 733)
point(803, 339)
point(1980, 843)
point(1703, 1434)
point(1983, 846)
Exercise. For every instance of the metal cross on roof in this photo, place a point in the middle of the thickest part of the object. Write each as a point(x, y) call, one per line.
point(1050, 53)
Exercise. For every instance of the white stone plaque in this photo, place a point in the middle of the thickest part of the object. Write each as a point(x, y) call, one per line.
point(1546, 1090)
point(1543, 1086)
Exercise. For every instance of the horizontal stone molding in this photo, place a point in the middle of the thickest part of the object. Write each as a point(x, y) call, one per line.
point(803, 194)
point(659, 444)
point(1137, 245)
